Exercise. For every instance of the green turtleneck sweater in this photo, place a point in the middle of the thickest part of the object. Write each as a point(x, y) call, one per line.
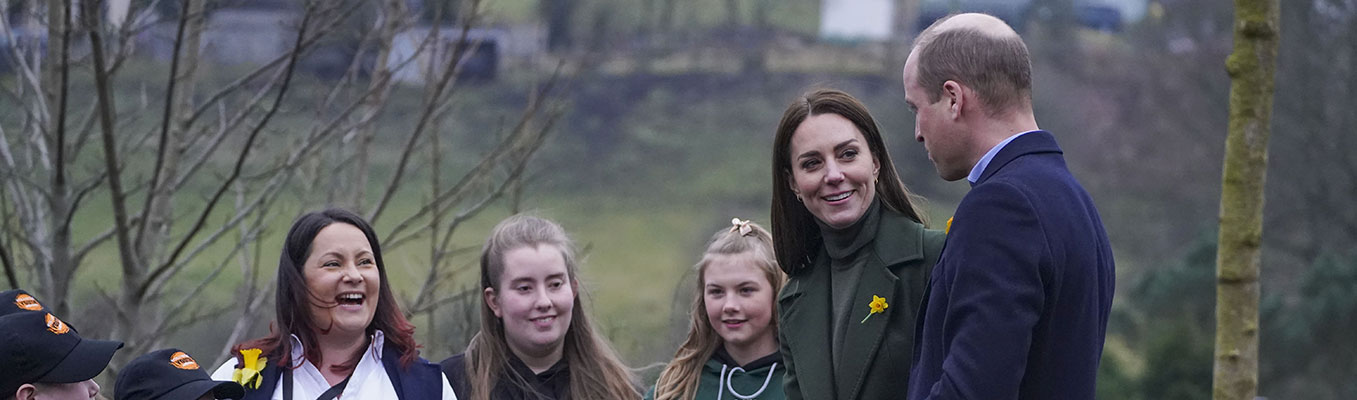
point(845, 256)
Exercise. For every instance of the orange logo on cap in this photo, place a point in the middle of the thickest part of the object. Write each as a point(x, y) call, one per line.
point(181, 360)
point(56, 326)
point(27, 302)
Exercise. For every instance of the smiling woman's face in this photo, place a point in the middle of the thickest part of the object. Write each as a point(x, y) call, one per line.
point(833, 171)
point(534, 298)
point(341, 274)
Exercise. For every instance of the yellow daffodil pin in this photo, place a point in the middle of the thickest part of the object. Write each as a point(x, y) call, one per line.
point(878, 306)
point(949, 227)
point(252, 365)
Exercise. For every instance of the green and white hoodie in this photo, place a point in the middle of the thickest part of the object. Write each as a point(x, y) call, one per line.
point(724, 379)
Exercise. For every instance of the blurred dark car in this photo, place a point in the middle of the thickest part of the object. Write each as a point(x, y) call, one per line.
point(1018, 13)
point(27, 41)
point(482, 62)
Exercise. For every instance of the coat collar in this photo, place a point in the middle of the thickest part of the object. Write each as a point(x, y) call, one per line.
point(905, 239)
point(1029, 143)
point(899, 240)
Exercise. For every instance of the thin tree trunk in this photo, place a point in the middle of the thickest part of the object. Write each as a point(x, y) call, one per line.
point(1252, 68)
point(394, 19)
point(9, 266)
point(159, 211)
point(56, 74)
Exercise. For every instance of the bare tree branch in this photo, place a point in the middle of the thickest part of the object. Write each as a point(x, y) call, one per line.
point(304, 45)
point(426, 115)
point(164, 123)
point(249, 236)
point(240, 161)
point(103, 88)
point(9, 266)
point(487, 163)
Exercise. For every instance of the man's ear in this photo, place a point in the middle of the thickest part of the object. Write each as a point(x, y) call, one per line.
point(492, 301)
point(955, 95)
point(26, 392)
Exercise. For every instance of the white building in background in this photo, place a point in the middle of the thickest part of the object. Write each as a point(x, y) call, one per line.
point(857, 20)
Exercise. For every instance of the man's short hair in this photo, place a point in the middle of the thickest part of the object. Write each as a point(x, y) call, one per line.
point(999, 68)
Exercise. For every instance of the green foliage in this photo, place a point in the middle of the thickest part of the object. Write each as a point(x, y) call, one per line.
point(1115, 380)
point(1309, 351)
point(1179, 362)
point(1174, 308)
point(1184, 291)
point(1305, 345)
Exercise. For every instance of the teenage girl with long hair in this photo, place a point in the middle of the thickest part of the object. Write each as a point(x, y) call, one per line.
point(536, 340)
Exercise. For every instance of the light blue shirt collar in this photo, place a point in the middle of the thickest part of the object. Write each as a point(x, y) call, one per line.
point(984, 161)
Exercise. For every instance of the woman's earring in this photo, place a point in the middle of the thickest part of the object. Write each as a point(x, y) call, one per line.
point(799, 200)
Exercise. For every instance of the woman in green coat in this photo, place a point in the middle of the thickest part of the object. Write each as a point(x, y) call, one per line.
point(855, 251)
point(731, 351)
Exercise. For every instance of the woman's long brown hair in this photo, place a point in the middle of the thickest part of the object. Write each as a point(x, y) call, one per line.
point(596, 372)
point(796, 238)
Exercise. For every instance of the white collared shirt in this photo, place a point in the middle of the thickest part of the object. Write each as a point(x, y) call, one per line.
point(369, 379)
point(979, 168)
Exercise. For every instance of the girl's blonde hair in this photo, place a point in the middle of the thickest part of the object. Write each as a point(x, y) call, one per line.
point(596, 372)
point(680, 378)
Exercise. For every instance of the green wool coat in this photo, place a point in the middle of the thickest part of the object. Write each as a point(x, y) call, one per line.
point(878, 352)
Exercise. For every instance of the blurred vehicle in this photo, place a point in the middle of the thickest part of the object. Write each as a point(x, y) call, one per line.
point(27, 41)
point(481, 62)
point(1104, 15)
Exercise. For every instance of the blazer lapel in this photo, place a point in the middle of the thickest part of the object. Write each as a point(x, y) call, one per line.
point(810, 318)
point(898, 240)
point(862, 339)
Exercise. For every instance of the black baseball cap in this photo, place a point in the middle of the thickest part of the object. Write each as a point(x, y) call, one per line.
point(39, 348)
point(170, 374)
point(17, 300)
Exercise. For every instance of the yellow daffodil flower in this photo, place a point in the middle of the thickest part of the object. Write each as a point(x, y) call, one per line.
point(878, 306)
point(249, 373)
point(949, 227)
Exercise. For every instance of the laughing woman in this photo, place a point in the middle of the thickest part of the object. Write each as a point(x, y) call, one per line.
point(731, 350)
point(855, 251)
point(337, 332)
point(536, 341)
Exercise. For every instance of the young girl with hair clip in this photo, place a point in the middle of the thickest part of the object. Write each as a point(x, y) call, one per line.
point(536, 341)
point(732, 348)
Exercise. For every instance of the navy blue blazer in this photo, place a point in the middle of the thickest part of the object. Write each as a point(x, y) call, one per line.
point(1017, 306)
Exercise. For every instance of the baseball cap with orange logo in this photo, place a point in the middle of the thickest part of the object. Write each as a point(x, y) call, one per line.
point(38, 347)
point(17, 300)
point(170, 374)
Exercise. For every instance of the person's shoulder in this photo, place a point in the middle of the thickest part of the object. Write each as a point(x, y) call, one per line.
point(997, 192)
point(455, 368)
point(933, 240)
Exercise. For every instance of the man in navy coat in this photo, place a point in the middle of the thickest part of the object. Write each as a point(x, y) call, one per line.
point(1017, 305)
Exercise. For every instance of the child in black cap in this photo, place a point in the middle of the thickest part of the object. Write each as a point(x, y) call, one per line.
point(45, 358)
point(170, 374)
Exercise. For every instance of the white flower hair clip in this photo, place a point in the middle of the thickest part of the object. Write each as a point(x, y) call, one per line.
point(741, 226)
